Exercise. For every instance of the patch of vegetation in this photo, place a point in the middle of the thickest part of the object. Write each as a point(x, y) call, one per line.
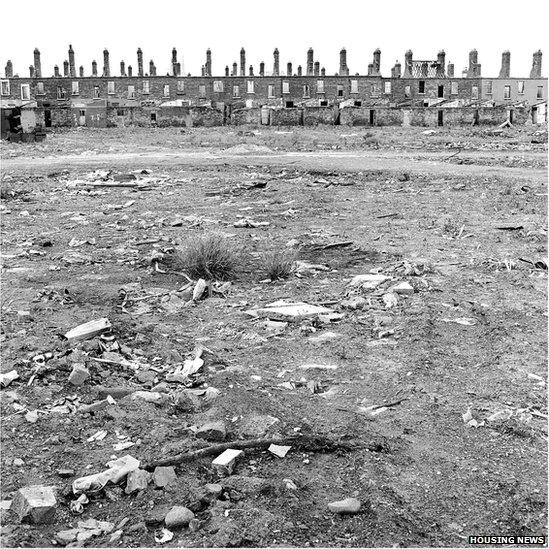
point(278, 265)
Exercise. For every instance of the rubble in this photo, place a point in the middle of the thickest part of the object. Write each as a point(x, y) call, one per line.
point(178, 516)
point(35, 504)
point(7, 378)
point(137, 480)
point(163, 476)
point(117, 470)
point(368, 281)
point(214, 431)
point(348, 506)
point(403, 288)
point(225, 462)
point(79, 374)
point(279, 451)
point(88, 330)
point(283, 310)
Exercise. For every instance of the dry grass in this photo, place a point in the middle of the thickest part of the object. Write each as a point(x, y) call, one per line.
point(210, 256)
point(278, 265)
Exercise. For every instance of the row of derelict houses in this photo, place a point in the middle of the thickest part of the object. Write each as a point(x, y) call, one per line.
point(419, 92)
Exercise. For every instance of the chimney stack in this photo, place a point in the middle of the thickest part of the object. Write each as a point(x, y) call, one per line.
point(505, 65)
point(251, 70)
point(262, 69)
point(56, 71)
point(397, 70)
point(106, 67)
point(242, 62)
point(31, 71)
point(139, 62)
point(235, 70)
point(316, 69)
point(276, 66)
point(377, 62)
point(37, 64)
point(94, 68)
point(9, 69)
point(370, 69)
point(299, 71)
point(72, 67)
point(441, 64)
point(208, 62)
point(122, 68)
point(203, 71)
point(322, 71)
point(174, 61)
point(536, 65)
point(289, 69)
point(65, 68)
point(408, 56)
point(450, 70)
point(343, 70)
point(227, 70)
point(474, 67)
point(310, 62)
point(152, 68)
point(130, 71)
point(178, 68)
point(81, 71)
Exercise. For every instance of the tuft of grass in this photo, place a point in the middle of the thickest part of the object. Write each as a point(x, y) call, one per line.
point(278, 265)
point(210, 256)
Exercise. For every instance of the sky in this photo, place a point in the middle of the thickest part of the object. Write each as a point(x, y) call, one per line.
point(121, 26)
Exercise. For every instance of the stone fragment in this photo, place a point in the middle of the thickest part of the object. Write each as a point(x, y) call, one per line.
point(214, 431)
point(149, 396)
point(354, 303)
point(368, 281)
point(194, 525)
point(178, 516)
point(137, 480)
point(65, 537)
point(282, 310)
point(225, 462)
point(324, 338)
point(35, 504)
point(279, 451)
point(348, 506)
point(214, 489)
point(7, 378)
point(164, 476)
point(79, 374)
point(117, 470)
point(256, 426)
point(88, 330)
point(18, 462)
point(65, 473)
point(403, 288)
point(390, 300)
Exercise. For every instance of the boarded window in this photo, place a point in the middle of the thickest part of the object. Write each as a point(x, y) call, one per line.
point(153, 117)
point(40, 88)
point(166, 90)
point(454, 88)
point(488, 88)
point(25, 92)
point(110, 88)
point(96, 92)
point(354, 86)
point(507, 92)
point(236, 91)
point(407, 91)
point(5, 87)
point(250, 84)
point(421, 86)
point(340, 91)
point(320, 86)
point(271, 90)
point(75, 88)
point(474, 92)
point(306, 91)
point(202, 91)
point(539, 94)
point(60, 92)
point(146, 89)
point(285, 87)
point(387, 87)
point(180, 86)
point(218, 86)
point(520, 86)
point(131, 92)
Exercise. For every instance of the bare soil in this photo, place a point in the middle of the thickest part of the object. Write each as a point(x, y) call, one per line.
point(458, 214)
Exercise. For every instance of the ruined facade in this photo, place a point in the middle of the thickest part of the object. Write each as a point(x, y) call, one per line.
point(419, 92)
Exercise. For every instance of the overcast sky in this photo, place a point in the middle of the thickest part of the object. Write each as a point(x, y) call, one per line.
point(293, 26)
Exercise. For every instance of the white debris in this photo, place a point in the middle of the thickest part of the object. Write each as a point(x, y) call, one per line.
point(7, 378)
point(117, 470)
point(279, 451)
point(368, 281)
point(88, 330)
point(224, 463)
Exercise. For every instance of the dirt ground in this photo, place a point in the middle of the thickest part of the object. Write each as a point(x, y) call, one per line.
point(409, 391)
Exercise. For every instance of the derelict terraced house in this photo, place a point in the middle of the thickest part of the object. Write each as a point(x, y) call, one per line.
point(422, 93)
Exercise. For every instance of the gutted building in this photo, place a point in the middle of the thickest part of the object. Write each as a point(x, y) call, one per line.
point(419, 92)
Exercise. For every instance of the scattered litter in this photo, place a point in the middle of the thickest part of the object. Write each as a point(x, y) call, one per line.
point(289, 310)
point(368, 281)
point(117, 470)
point(163, 536)
point(279, 451)
point(6, 379)
point(390, 300)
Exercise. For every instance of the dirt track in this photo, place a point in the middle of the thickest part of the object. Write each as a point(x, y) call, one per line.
point(426, 478)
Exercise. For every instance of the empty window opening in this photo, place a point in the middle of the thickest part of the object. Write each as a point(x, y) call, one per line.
point(407, 91)
point(441, 91)
point(474, 92)
point(60, 92)
point(146, 88)
point(387, 87)
point(320, 86)
point(340, 91)
point(354, 86)
point(250, 88)
point(40, 88)
point(119, 112)
point(520, 86)
point(47, 118)
point(25, 92)
point(110, 88)
point(5, 88)
point(131, 92)
point(289, 104)
point(306, 91)
point(202, 91)
point(285, 87)
point(440, 120)
point(324, 103)
point(539, 94)
point(507, 92)
point(180, 86)
point(421, 86)
point(153, 117)
point(236, 91)
point(96, 92)
point(271, 90)
point(166, 90)
point(454, 88)
point(75, 88)
point(218, 86)
point(489, 88)
point(372, 117)
point(358, 103)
